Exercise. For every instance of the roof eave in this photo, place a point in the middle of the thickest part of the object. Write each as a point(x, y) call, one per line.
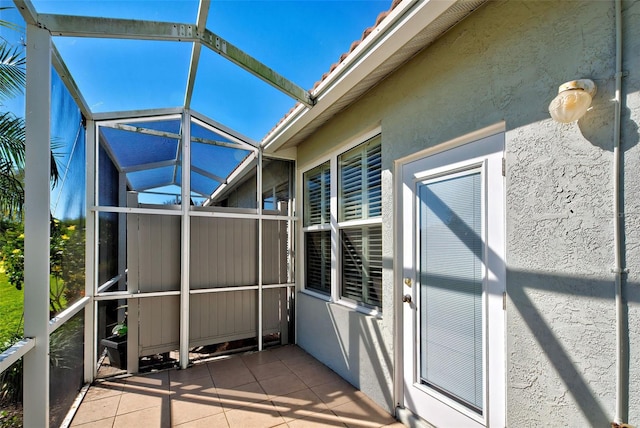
point(389, 45)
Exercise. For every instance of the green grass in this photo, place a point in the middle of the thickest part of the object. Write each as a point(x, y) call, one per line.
point(11, 306)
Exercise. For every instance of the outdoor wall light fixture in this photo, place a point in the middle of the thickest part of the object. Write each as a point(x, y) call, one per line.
point(573, 100)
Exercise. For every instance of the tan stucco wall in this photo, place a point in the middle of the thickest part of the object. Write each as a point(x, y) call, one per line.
point(505, 62)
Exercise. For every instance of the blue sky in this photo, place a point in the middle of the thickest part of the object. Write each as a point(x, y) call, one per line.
point(298, 39)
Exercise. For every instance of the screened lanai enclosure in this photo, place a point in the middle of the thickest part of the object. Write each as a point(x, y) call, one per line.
point(167, 221)
point(228, 243)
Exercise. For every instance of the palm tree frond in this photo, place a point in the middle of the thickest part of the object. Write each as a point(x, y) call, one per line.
point(12, 71)
point(12, 139)
point(12, 195)
point(7, 24)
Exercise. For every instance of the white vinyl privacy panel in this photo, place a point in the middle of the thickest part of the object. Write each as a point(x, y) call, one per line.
point(153, 253)
point(159, 253)
point(451, 285)
point(224, 252)
point(276, 238)
point(221, 317)
point(159, 324)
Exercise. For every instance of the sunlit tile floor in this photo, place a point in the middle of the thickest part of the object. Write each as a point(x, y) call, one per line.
point(282, 387)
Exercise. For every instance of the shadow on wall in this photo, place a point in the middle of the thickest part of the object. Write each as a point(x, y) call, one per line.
point(365, 361)
point(561, 351)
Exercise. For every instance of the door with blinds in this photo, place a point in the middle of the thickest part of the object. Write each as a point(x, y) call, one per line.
point(453, 285)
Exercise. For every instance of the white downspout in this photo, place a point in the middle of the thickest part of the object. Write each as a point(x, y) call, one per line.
point(622, 379)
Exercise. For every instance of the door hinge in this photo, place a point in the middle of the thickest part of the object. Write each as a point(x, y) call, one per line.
point(504, 167)
point(504, 300)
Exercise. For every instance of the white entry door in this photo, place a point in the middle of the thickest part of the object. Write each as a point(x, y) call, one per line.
point(453, 285)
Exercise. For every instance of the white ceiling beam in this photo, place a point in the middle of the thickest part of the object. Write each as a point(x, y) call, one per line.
point(208, 175)
point(114, 28)
point(153, 186)
point(225, 131)
point(203, 13)
point(141, 130)
point(219, 143)
point(139, 115)
point(27, 10)
point(253, 66)
point(70, 83)
point(87, 26)
point(148, 166)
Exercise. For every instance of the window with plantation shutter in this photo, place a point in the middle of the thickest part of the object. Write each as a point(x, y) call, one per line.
point(362, 265)
point(360, 182)
point(350, 232)
point(359, 198)
point(317, 243)
point(317, 189)
point(318, 261)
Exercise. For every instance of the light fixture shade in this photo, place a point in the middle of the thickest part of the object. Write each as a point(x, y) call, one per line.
point(573, 100)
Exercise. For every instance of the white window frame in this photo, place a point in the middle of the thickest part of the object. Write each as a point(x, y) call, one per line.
point(333, 226)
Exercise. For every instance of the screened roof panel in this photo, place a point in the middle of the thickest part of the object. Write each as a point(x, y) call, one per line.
point(133, 149)
point(124, 75)
point(299, 40)
point(203, 185)
point(216, 160)
point(172, 125)
point(172, 11)
point(198, 131)
point(152, 178)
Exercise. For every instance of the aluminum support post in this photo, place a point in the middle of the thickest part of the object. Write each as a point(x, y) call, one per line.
point(90, 257)
point(36, 242)
point(186, 239)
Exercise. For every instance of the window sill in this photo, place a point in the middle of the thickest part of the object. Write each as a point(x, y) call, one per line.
point(316, 294)
point(359, 308)
point(344, 303)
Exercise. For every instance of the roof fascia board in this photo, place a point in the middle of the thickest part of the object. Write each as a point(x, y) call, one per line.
point(115, 28)
point(290, 154)
point(255, 67)
point(401, 25)
point(203, 13)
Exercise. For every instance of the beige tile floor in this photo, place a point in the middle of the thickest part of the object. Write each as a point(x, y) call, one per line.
point(282, 387)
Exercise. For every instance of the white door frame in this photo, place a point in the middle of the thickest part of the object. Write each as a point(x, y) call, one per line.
point(495, 414)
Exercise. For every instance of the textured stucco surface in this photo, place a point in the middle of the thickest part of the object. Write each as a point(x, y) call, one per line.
point(349, 343)
point(631, 151)
point(505, 62)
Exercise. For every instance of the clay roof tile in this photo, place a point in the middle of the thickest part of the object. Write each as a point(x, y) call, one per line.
point(353, 46)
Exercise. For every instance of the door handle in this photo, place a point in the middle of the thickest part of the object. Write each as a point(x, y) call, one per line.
point(406, 298)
